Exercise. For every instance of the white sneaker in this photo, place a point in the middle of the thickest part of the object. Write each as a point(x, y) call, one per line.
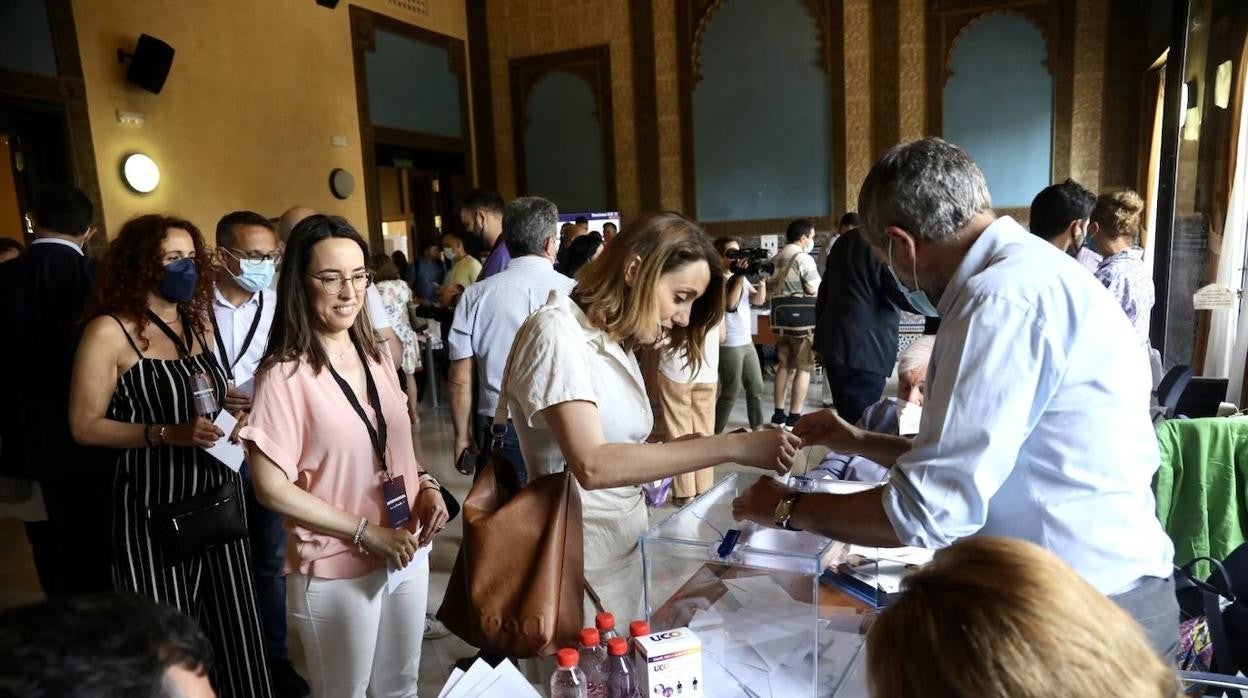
point(434, 630)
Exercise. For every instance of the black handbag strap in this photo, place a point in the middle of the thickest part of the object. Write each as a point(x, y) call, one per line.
point(593, 597)
point(184, 345)
point(1211, 603)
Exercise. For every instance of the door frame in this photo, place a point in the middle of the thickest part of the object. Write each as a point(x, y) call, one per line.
point(67, 94)
point(364, 24)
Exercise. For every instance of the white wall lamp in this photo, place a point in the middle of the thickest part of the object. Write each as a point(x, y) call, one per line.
point(140, 173)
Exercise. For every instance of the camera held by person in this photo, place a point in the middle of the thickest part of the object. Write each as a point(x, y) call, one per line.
point(750, 262)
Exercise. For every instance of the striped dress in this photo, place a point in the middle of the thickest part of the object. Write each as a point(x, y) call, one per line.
point(215, 588)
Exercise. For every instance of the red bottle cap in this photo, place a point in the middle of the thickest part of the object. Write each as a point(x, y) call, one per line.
point(589, 637)
point(567, 658)
point(638, 628)
point(617, 647)
point(604, 621)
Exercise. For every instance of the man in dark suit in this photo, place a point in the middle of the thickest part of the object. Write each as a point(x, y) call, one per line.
point(42, 298)
point(858, 319)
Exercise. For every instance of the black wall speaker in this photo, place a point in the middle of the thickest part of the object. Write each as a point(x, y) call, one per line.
point(149, 64)
point(331, 4)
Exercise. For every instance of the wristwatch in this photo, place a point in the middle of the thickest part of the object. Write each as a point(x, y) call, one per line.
point(784, 511)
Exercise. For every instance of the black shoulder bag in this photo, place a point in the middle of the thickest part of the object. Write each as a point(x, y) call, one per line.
point(191, 526)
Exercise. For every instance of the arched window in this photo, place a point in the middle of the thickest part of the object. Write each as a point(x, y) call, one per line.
point(998, 105)
point(760, 114)
point(563, 144)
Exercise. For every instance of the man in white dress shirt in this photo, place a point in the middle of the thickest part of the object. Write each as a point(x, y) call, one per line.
point(242, 315)
point(1036, 422)
point(487, 319)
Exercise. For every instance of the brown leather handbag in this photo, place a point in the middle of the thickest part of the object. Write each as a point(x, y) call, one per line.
point(519, 579)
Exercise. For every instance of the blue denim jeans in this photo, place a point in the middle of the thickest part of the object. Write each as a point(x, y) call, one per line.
point(510, 452)
point(268, 553)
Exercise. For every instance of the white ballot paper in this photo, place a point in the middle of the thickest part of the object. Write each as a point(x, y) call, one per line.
point(229, 453)
point(483, 681)
point(247, 387)
point(758, 641)
point(396, 576)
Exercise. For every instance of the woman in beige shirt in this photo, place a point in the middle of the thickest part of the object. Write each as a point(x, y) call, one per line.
point(575, 392)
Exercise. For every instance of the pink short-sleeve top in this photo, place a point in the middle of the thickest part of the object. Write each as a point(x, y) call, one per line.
point(302, 421)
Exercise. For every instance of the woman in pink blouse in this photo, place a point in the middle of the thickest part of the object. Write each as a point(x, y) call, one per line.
point(330, 448)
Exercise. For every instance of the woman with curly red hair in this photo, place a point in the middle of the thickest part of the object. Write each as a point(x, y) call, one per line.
point(142, 368)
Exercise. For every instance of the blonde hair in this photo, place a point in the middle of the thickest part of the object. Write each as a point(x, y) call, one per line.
point(1119, 214)
point(663, 242)
point(1004, 617)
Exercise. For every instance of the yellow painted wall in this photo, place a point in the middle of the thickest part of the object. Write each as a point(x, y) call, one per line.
point(10, 213)
point(257, 90)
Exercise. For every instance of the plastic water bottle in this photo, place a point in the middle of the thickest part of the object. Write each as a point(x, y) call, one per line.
point(593, 663)
point(636, 629)
point(568, 681)
point(621, 679)
point(605, 622)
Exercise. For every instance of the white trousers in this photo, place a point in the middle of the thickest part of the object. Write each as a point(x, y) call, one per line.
point(359, 638)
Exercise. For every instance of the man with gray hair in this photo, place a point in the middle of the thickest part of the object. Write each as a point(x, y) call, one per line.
point(1036, 423)
point(486, 321)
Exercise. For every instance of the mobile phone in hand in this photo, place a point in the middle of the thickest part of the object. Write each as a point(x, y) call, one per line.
point(467, 462)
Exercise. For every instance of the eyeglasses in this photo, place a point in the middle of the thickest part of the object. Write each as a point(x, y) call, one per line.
point(332, 283)
point(274, 257)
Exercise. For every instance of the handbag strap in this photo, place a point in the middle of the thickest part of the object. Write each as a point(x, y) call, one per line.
point(499, 428)
point(1211, 603)
point(784, 275)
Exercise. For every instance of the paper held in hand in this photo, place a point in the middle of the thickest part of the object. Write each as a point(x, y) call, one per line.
point(229, 453)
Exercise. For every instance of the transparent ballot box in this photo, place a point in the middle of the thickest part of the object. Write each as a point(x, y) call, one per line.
point(778, 613)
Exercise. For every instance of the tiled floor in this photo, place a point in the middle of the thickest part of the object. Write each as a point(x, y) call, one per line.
point(433, 438)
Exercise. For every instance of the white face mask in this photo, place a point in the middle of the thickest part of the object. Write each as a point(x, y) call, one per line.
point(908, 418)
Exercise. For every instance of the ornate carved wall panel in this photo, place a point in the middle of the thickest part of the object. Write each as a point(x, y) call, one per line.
point(1088, 93)
point(522, 28)
point(886, 74)
point(669, 101)
point(858, 82)
point(912, 92)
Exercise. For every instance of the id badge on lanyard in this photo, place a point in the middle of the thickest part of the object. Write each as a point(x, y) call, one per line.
point(393, 489)
point(394, 494)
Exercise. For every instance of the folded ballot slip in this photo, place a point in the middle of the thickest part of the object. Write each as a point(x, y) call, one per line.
point(670, 663)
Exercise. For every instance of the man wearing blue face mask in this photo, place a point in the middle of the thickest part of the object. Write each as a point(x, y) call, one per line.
point(243, 304)
point(1036, 421)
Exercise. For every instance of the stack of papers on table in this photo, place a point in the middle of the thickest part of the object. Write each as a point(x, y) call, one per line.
point(758, 641)
point(484, 681)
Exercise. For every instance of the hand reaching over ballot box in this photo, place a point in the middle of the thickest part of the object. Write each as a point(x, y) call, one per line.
point(758, 503)
point(827, 428)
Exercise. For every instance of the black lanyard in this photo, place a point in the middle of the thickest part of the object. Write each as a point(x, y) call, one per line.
point(251, 332)
point(376, 435)
point(183, 345)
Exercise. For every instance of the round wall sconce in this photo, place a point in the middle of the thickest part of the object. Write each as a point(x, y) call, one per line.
point(341, 183)
point(140, 173)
